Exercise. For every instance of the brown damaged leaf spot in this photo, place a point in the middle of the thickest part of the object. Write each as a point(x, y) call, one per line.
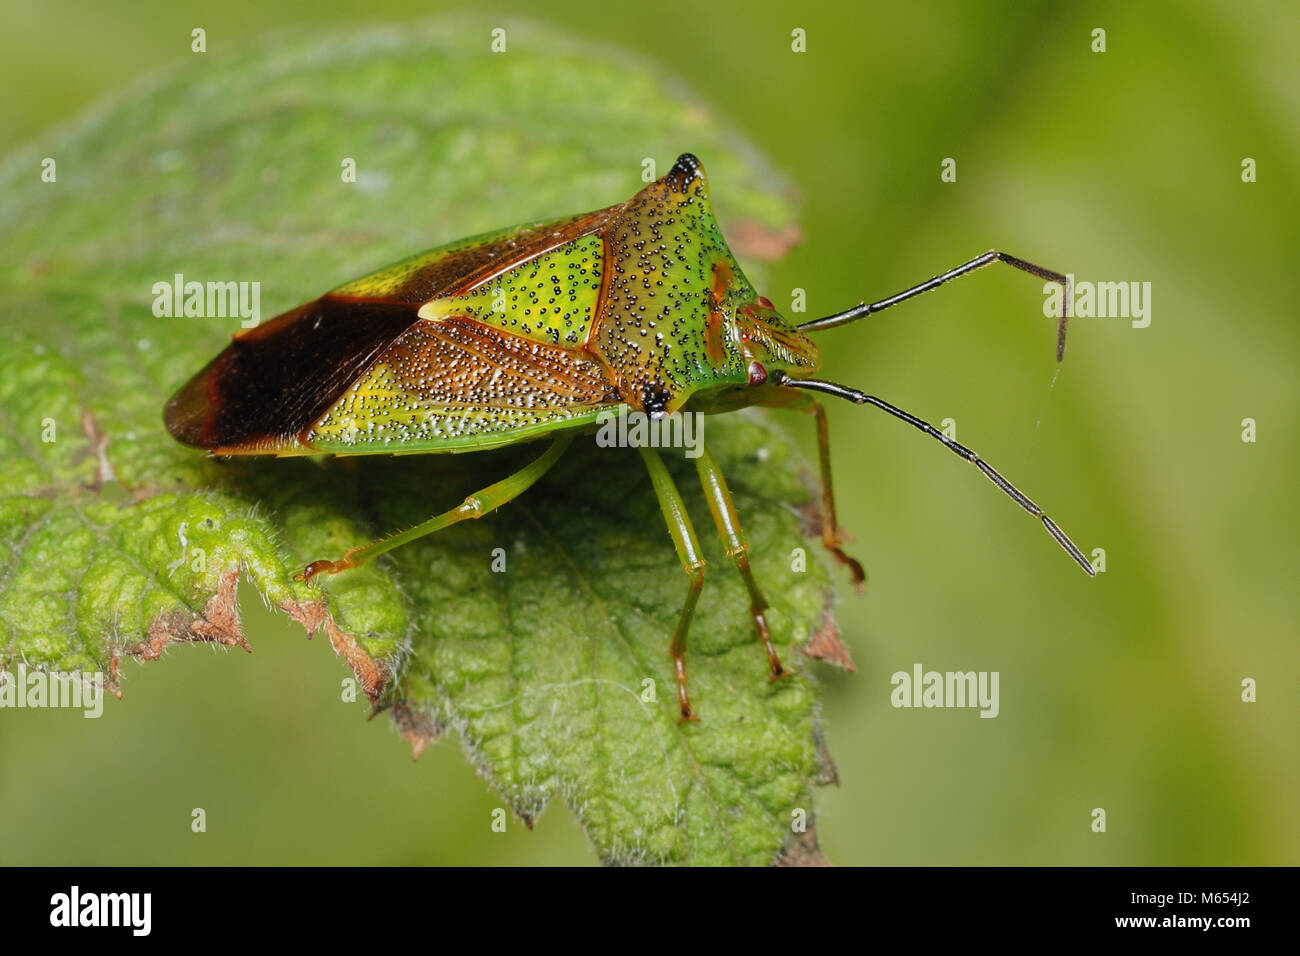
point(750, 239)
point(826, 644)
point(417, 726)
point(802, 849)
point(218, 624)
point(313, 615)
point(99, 448)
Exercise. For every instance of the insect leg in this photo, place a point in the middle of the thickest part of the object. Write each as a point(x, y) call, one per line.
point(832, 535)
point(733, 539)
point(979, 262)
point(1010, 490)
point(474, 506)
point(688, 552)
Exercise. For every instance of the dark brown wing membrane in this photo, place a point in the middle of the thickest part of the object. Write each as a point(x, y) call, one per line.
point(274, 381)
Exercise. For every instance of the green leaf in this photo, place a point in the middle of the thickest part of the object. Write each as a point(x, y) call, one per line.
point(118, 542)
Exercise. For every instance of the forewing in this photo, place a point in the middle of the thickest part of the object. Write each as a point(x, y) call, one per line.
point(456, 384)
point(274, 382)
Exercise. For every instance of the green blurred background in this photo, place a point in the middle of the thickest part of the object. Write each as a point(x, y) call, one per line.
point(1122, 693)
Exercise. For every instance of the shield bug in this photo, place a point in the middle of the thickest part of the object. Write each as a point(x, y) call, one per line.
point(532, 333)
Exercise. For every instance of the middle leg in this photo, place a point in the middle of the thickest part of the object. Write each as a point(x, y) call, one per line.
point(733, 539)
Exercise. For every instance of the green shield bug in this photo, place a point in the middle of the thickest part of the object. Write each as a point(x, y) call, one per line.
point(534, 332)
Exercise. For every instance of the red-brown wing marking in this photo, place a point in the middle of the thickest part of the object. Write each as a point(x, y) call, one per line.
point(713, 333)
point(459, 268)
point(461, 362)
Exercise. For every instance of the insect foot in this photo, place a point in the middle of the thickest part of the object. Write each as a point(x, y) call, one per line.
point(832, 541)
point(765, 635)
point(323, 567)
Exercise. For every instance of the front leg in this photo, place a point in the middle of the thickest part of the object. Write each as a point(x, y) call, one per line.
point(832, 535)
point(682, 532)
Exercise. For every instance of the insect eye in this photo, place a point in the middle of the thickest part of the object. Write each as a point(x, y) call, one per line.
point(766, 303)
point(757, 373)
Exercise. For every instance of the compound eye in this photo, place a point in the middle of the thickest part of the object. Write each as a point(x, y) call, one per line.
point(757, 373)
point(766, 303)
